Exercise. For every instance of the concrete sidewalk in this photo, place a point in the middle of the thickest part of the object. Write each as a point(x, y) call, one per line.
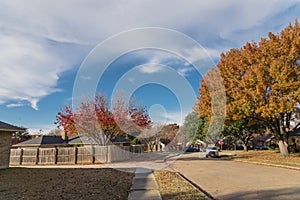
point(235, 180)
point(144, 186)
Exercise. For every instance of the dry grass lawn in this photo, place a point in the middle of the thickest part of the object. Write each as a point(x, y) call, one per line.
point(173, 186)
point(269, 157)
point(21, 183)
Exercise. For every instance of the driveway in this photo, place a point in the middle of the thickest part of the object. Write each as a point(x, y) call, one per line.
point(225, 179)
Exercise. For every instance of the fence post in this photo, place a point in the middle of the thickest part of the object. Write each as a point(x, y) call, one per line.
point(93, 154)
point(37, 156)
point(56, 156)
point(21, 157)
point(75, 154)
point(108, 154)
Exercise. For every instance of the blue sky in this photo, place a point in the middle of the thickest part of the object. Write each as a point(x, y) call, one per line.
point(43, 44)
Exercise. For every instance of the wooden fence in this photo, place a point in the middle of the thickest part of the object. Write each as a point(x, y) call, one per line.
point(73, 155)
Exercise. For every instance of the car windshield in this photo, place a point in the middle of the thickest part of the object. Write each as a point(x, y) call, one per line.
point(212, 148)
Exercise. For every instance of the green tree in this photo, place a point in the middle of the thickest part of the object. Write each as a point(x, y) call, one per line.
point(194, 127)
point(201, 129)
point(24, 134)
point(243, 130)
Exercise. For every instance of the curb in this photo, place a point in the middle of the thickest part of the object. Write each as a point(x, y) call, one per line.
point(208, 196)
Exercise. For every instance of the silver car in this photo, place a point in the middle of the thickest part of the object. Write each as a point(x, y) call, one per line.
point(212, 152)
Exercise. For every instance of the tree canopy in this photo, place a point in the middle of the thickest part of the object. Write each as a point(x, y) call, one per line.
point(97, 119)
point(262, 82)
point(195, 128)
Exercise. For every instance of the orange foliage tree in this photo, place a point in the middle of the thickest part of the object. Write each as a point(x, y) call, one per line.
point(211, 106)
point(262, 83)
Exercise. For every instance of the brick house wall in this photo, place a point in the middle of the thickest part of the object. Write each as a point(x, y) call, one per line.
point(5, 144)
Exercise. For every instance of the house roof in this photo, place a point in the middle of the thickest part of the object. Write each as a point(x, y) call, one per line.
point(295, 133)
point(4, 127)
point(121, 140)
point(43, 140)
point(80, 139)
point(57, 140)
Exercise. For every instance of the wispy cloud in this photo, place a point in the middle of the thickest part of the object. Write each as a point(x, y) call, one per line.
point(41, 129)
point(35, 35)
point(28, 70)
point(197, 53)
point(151, 68)
point(165, 117)
point(12, 105)
point(185, 71)
point(176, 117)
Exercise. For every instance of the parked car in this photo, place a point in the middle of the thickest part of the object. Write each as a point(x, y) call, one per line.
point(260, 148)
point(191, 149)
point(212, 152)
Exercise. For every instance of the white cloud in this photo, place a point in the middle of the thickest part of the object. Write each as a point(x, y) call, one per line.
point(157, 58)
point(176, 117)
point(12, 105)
point(151, 68)
point(41, 130)
point(196, 53)
point(168, 117)
point(185, 71)
point(159, 114)
point(78, 22)
point(30, 66)
point(28, 70)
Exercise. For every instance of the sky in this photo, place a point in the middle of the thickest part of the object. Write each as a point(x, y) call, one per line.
point(45, 46)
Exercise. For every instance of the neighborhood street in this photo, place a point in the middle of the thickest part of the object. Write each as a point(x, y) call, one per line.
point(225, 179)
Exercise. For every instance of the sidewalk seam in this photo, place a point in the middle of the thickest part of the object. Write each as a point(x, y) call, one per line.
point(158, 196)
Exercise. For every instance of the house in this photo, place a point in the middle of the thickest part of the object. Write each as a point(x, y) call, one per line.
point(295, 138)
point(262, 141)
point(63, 140)
point(81, 140)
point(121, 141)
point(42, 141)
point(84, 140)
point(6, 131)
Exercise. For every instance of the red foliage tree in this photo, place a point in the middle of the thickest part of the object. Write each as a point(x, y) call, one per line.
point(95, 118)
point(66, 121)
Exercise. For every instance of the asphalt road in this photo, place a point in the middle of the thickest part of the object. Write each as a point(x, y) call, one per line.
point(225, 179)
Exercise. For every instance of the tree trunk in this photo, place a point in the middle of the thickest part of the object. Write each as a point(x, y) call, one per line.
point(150, 147)
point(283, 147)
point(245, 147)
